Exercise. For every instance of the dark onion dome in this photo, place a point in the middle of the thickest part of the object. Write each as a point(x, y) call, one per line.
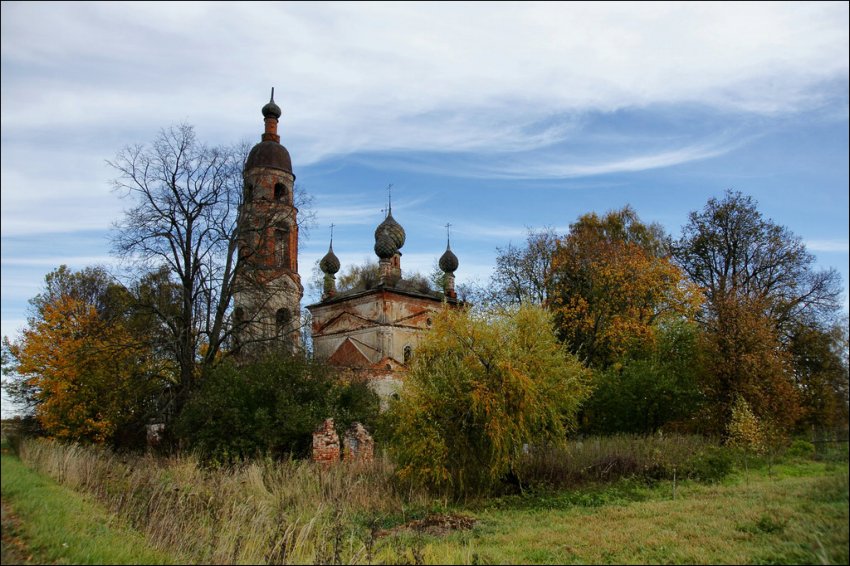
point(329, 263)
point(384, 247)
point(448, 261)
point(271, 110)
point(269, 154)
point(391, 230)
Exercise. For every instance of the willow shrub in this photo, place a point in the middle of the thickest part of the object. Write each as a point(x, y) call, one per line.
point(482, 389)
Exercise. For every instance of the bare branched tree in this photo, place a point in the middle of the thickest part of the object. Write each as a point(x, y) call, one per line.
point(184, 218)
point(521, 274)
point(731, 250)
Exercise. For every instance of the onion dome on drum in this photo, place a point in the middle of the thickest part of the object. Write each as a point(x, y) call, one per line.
point(448, 261)
point(389, 236)
point(269, 152)
point(390, 230)
point(384, 247)
point(329, 263)
point(272, 110)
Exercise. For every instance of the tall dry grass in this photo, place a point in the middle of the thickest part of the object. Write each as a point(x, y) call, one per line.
point(608, 458)
point(261, 512)
point(300, 512)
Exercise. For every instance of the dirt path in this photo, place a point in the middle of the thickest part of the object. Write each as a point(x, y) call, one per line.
point(13, 550)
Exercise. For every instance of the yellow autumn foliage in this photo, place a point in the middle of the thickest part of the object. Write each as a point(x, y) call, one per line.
point(481, 389)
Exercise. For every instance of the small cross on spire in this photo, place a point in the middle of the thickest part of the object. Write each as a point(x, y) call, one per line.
point(448, 234)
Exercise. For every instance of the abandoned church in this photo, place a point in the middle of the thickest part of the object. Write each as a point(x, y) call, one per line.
point(369, 332)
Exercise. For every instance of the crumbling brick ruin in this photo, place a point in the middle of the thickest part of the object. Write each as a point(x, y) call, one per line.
point(326, 443)
point(358, 443)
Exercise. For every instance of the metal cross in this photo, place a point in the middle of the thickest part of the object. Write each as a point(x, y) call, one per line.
point(332, 234)
point(448, 236)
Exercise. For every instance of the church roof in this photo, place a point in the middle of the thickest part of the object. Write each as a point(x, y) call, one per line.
point(398, 289)
point(269, 154)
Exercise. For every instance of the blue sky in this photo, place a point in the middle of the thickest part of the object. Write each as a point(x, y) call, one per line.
point(495, 117)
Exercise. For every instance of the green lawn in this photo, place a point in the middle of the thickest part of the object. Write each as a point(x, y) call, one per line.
point(798, 516)
point(52, 524)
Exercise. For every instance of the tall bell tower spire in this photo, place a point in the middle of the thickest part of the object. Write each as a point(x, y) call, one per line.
point(267, 300)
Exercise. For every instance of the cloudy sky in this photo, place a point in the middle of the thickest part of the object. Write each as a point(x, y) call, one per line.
point(493, 117)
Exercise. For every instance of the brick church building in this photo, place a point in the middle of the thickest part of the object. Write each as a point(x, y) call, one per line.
point(369, 332)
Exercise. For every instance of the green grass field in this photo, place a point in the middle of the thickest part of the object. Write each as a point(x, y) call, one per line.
point(45, 523)
point(800, 516)
point(798, 513)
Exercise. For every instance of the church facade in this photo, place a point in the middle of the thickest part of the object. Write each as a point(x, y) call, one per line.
point(369, 332)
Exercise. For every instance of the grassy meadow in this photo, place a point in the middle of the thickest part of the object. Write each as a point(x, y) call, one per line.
point(609, 500)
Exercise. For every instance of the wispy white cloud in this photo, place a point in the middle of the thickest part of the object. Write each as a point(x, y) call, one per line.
point(828, 245)
point(52, 262)
point(378, 77)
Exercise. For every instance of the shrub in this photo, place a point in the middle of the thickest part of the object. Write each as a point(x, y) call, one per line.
point(711, 464)
point(801, 449)
point(17, 429)
point(269, 407)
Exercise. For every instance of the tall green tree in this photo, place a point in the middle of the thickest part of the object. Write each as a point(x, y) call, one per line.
point(821, 372)
point(654, 391)
point(482, 387)
point(733, 252)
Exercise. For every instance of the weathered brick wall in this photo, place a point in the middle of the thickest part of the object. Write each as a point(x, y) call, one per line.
point(155, 433)
point(326, 443)
point(358, 445)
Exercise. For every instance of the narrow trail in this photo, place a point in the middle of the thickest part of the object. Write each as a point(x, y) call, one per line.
point(13, 549)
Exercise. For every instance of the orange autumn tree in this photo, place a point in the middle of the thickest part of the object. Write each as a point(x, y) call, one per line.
point(87, 373)
point(611, 283)
point(764, 294)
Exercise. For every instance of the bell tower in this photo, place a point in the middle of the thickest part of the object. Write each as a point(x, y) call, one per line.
point(267, 297)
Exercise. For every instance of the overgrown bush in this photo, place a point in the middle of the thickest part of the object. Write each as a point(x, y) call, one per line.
point(712, 464)
point(649, 391)
point(270, 408)
point(801, 449)
point(17, 429)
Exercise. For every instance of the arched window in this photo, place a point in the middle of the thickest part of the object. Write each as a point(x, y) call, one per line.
point(279, 191)
point(408, 353)
point(282, 318)
point(238, 316)
point(281, 246)
point(249, 192)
